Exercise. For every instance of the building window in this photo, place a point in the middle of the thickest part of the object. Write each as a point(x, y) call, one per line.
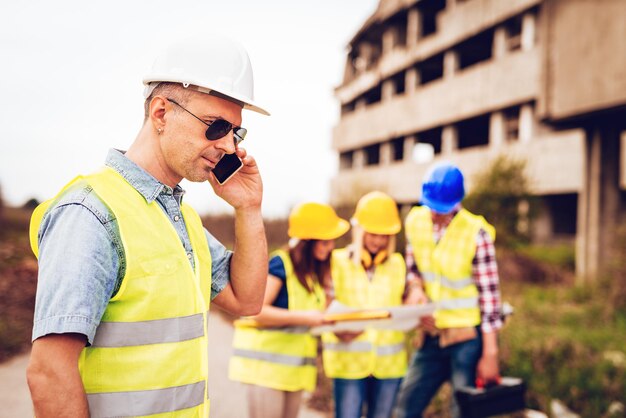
point(399, 22)
point(429, 9)
point(372, 154)
point(397, 149)
point(346, 160)
point(473, 132)
point(513, 29)
point(399, 82)
point(511, 123)
point(348, 107)
point(373, 95)
point(430, 69)
point(431, 137)
point(476, 49)
point(563, 209)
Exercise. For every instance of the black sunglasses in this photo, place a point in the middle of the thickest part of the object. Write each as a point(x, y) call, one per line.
point(219, 128)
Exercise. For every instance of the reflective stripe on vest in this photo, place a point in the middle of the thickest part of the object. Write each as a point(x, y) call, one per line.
point(456, 284)
point(353, 347)
point(275, 358)
point(388, 350)
point(158, 331)
point(287, 330)
point(458, 303)
point(145, 402)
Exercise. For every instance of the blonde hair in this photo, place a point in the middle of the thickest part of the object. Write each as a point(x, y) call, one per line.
point(357, 243)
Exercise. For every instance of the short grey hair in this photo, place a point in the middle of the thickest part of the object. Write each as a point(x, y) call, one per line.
point(171, 90)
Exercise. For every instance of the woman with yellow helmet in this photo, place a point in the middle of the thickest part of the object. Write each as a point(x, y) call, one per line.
point(367, 367)
point(275, 354)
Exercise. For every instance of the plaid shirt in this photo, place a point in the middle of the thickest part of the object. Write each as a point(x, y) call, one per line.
point(484, 273)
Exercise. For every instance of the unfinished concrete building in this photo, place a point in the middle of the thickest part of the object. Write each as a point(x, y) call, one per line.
point(468, 80)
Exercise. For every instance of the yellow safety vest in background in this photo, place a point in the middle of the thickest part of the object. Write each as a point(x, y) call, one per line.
point(149, 354)
point(280, 358)
point(380, 353)
point(446, 267)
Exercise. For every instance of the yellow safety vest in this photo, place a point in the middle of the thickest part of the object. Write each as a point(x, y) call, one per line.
point(149, 356)
point(280, 358)
point(446, 267)
point(381, 353)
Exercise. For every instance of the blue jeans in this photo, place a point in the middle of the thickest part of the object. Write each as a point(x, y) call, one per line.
point(378, 394)
point(431, 367)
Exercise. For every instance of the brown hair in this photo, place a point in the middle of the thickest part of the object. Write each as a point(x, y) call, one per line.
point(305, 264)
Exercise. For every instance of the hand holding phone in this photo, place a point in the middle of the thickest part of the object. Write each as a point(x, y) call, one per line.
point(227, 167)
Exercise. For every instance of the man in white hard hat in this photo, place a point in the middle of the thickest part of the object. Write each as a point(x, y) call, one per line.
point(127, 271)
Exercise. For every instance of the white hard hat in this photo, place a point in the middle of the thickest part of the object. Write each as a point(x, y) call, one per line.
point(213, 64)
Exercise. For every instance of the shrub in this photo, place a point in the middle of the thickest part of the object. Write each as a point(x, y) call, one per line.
point(501, 193)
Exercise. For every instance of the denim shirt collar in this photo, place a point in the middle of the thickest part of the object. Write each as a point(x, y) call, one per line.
point(149, 187)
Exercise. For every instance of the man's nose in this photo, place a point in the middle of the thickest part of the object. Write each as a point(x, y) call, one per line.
point(227, 143)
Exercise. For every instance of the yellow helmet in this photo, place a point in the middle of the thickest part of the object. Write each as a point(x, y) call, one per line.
point(316, 221)
point(377, 213)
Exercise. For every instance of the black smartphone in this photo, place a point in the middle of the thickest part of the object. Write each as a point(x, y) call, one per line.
point(227, 167)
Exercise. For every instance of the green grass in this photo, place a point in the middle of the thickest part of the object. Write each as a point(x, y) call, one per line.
point(565, 346)
point(561, 255)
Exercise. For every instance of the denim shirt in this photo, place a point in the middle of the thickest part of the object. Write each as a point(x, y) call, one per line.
point(81, 257)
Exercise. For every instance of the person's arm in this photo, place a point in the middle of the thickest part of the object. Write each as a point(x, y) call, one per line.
point(248, 267)
point(273, 316)
point(485, 274)
point(53, 378)
point(414, 289)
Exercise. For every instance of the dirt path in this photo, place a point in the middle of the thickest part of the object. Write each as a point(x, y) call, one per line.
point(14, 395)
point(228, 398)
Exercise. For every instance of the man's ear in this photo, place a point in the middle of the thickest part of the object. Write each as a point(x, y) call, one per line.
point(157, 111)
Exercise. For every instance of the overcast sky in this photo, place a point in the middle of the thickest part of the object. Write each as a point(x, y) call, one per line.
point(70, 87)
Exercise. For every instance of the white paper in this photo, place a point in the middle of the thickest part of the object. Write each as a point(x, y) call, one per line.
point(403, 318)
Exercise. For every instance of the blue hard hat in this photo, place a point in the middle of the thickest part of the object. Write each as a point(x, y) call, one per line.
point(443, 188)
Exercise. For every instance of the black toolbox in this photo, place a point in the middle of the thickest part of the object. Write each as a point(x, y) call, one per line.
point(505, 397)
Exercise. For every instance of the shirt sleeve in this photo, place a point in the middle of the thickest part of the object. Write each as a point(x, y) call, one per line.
point(220, 264)
point(79, 266)
point(277, 269)
point(485, 275)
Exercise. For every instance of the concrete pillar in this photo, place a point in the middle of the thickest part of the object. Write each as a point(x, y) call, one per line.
point(388, 90)
point(358, 159)
point(450, 63)
point(526, 122)
point(497, 131)
point(360, 104)
point(589, 211)
point(411, 80)
point(499, 47)
point(412, 28)
point(529, 29)
point(409, 143)
point(389, 40)
point(449, 139)
point(599, 202)
point(385, 153)
point(451, 4)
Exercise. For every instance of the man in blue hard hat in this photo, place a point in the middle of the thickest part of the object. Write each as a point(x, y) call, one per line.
point(450, 257)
